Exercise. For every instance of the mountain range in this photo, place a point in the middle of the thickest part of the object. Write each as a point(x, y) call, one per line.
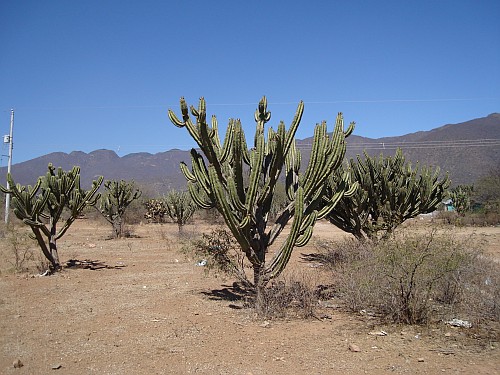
point(467, 151)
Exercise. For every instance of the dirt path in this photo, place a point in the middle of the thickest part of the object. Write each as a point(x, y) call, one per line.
point(154, 312)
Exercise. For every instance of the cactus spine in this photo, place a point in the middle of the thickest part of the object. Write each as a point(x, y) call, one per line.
point(244, 202)
point(60, 192)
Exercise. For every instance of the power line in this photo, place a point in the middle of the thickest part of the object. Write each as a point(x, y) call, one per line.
point(154, 106)
point(417, 145)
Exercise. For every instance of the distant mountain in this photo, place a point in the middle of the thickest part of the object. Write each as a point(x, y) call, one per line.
point(466, 150)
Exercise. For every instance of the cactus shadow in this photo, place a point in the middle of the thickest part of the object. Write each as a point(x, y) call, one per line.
point(317, 258)
point(90, 264)
point(231, 293)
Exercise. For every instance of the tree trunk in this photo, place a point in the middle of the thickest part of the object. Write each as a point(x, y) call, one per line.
point(117, 226)
point(54, 264)
point(256, 276)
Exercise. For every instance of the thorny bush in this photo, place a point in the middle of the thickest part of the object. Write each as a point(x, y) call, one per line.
point(417, 278)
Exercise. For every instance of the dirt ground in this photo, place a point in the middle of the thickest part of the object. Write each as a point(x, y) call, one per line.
point(152, 311)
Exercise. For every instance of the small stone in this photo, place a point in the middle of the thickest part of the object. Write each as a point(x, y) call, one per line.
point(266, 324)
point(378, 333)
point(56, 366)
point(354, 348)
point(17, 363)
point(420, 359)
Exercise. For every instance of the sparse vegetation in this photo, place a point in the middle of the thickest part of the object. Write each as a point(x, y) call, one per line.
point(416, 278)
point(221, 255)
point(287, 297)
point(19, 247)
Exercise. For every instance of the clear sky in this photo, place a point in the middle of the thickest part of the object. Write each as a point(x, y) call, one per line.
point(86, 75)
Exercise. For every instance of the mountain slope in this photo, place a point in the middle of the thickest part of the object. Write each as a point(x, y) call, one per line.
point(466, 150)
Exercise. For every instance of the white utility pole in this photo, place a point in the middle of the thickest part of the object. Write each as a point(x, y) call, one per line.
point(8, 139)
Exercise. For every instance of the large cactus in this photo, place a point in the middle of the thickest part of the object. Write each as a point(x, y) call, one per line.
point(115, 201)
point(60, 195)
point(241, 183)
point(389, 192)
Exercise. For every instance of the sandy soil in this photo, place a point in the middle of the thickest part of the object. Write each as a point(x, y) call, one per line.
point(155, 312)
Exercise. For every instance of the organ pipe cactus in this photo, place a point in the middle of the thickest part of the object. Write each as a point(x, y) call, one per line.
point(240, 183)
point(389, 191)
point(55, 196)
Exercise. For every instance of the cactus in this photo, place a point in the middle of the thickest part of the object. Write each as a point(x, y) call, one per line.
point(156, 211)
point(389, 192)
point(113, 204)
point(60, 197)
point(461, 198)
point(241, 183)
point(179, 207)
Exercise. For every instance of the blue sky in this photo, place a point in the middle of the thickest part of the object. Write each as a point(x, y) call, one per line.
point(101, 74)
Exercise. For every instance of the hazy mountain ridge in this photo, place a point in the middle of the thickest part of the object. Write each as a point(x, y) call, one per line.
point(456, 148)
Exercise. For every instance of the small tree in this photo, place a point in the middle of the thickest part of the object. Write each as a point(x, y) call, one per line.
point(389, 192)
point(55, 196)
point(113, 204)
point(241, 183)
point(179, 207)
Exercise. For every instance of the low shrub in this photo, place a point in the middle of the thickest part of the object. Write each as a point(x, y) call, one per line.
point(220, 254)
point(285, 297)
point(416, 278)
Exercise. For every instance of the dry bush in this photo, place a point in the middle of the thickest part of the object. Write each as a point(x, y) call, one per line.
point(19, 250)
point(135, 212)
point(220, 253)
point(287, 296)
point(415, 278)
point(480, 296)
point(470, 219)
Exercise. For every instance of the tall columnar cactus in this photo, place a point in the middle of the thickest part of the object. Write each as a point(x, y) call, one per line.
point(241, 183)
point(389, 192)
point(115, 201)
point(55, 196)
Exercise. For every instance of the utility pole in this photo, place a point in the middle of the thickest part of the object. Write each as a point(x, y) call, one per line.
point(8, 139)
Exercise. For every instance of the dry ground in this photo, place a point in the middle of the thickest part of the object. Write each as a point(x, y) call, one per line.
point(155, 312)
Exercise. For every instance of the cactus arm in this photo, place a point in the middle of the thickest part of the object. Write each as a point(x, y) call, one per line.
point(228, 140)
point(290, 136)
point(197, 199)
point(257, 158)
point(187, 173)
point(281, 258)
point(304, 238)
point(231, 221)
